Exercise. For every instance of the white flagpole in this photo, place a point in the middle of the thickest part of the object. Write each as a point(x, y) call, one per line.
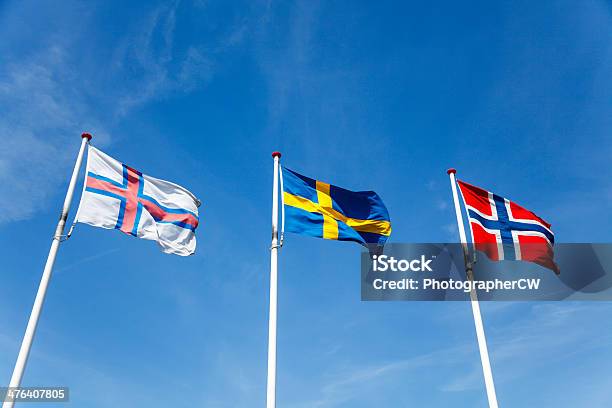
point(271, 393)
point(480, 334)
point(26, 344)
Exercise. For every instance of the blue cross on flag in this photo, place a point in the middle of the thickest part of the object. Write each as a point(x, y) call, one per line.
point(504, 230)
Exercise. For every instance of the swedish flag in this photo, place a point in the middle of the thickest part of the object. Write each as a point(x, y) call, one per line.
point(322, 210)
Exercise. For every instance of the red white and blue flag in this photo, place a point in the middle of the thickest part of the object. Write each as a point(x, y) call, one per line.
point(116, 196)
point(504, 230)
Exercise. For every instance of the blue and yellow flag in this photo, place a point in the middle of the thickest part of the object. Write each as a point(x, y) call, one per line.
point(321, 210)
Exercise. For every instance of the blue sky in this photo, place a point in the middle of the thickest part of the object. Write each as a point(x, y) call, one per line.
point(363, 95)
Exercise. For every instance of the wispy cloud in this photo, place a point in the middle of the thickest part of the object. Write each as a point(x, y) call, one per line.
point(540, 329)
point(451, 232)
point(85, 260)
point(310, 102)
point(43, 114)
point(51, 93)
point(353, 382)
point(288, 69)
point(160, 69)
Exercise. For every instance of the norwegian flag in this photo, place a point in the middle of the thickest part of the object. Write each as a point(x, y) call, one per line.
point(504, 230)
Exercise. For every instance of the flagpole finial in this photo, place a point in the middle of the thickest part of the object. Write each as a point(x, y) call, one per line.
point(276, 154)
point(86, 136)
point(451, 171)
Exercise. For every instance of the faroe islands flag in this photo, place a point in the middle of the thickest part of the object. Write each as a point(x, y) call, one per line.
point(116, 196)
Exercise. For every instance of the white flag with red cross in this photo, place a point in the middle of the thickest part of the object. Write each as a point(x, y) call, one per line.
point(116, 196)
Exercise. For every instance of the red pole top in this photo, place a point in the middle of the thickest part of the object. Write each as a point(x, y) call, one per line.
point(276, 154)
point(86, 136)
point(451, 171)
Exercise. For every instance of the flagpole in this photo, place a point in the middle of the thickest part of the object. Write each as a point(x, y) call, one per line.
point(28, 337)
point(480, 333)
point(271, 393)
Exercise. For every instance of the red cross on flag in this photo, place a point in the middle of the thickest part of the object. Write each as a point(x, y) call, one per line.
point(116, 196)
